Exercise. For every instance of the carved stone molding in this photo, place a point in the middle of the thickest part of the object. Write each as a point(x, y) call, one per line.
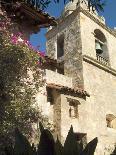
point(96, 63)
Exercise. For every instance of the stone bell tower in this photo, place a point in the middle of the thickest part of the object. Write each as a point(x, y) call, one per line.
point(64, 43)
point(85, 48)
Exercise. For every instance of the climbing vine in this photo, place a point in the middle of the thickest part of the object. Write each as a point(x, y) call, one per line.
point(20, 79)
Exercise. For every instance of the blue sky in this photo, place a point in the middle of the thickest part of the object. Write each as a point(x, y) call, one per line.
point(56, 9)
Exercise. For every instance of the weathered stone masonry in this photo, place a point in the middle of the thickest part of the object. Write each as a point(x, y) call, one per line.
point(88, 70)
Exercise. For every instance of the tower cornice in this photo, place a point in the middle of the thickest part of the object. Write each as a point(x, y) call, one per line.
point(88, 14)
point(96, 63)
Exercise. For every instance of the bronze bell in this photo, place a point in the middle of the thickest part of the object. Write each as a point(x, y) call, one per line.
point(98, 48)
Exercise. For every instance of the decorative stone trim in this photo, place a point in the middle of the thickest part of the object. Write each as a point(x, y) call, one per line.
point(73, 100)
point(66, 89)
point(88, 14)
point(102, 60)
point(61, 21)
point(97, 63)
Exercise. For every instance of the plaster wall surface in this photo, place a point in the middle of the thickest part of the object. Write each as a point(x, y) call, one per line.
point(58, 79)
point(102, 88)
point(57, 114)
point(87, 26)
point(66, 120)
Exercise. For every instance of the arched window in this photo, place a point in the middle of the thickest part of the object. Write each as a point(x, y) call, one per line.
point(101, 47)
point(60, 53)
point(60, 46)
point(111, 121)
point(73, 108)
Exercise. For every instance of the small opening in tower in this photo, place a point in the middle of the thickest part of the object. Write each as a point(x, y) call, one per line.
point(111, 121)
point(100, 43)
point(101, 47)
point(73, 110)
point(60, 68)
point(60, 46)
point(49, 95)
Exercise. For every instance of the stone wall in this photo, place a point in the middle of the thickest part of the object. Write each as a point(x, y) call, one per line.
point(102, 88)
point(66, 120)
point(58, 79)
point(70, 28)
point(57, 114)
point(87, 26)
point(79, 40)
point(101, 85)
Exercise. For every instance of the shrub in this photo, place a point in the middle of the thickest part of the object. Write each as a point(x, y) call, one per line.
point(47, 145)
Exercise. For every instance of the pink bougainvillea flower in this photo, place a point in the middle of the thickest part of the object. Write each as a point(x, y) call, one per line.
point(18, 34)
point(20, 40)
point(14, 39)
point(2, 24)
point(38, 62)
point(26, 42)
point(42, 54)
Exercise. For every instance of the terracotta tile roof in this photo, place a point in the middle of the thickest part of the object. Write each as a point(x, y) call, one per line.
point(67, 89)
point(48, 59)
point(27, 12)
point(52, 61)
point(45, 18)
point(49, 62)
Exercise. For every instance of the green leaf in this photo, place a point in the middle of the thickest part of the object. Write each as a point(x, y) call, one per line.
point(22, 146)
point(46, 144)
point(90, 148)
point(70, 145)
point(58, 147)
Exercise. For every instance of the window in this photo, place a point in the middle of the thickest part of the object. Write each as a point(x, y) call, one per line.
point(101, 47)
point(111, 121)
point(60, 68)
point(49, 95)
point(60, 54)
point(73, 108)
point(60, 46)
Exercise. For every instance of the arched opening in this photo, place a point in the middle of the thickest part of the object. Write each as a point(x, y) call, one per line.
point(60, 53)
point(111, 121)
point(60, 46)
point(73, 108)
point(101, 47)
